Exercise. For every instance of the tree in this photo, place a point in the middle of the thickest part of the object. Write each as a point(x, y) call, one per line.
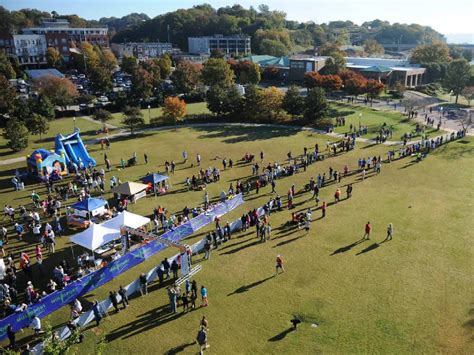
point(331, 82)
point(44, 107)
point(271, 104)
point(23, 109)
point(215, 97)
point(458, 77)
point(174, 108)
point(373, 88)
point(164, 62)
point(53, 57)
point(336, 63)
point(37, 125)
point(16, 135)
point(354, 83)
point(142, 84)
point(293, 102)
point(6, 68)
point(7, 95)
point(272, 42)
point(246, 72)
point(129, 64)
point(316, 105)
point(60, 91)
point(252, 101)
point(132, 118)
point(373, 48)
point(312, 79)
point(273, 47)
point(468, 94)
point(217, 72)
point(186, 77)
point(103, 116)
point(437, 52)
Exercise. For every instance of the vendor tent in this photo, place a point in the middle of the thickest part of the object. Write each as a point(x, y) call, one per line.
point(126, 219)
point(95, 236)
point(154, 178)
point(89, 204)
point(131, 190)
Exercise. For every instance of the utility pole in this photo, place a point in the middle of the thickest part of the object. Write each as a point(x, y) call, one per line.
point(168, 29)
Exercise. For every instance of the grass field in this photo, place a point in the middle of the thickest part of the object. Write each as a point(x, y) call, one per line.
point(409, 295)
point(191, 109)
point(374, 119)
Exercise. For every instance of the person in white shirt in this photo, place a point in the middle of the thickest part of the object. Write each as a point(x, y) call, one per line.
point(36, 324)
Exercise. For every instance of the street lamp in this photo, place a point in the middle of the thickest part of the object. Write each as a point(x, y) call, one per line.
point(360, 117)
point(149, 113)
point(74, 120)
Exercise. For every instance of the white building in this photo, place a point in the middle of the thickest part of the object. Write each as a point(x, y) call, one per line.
point(142, 50)
point(238, 44)
point(30, 48)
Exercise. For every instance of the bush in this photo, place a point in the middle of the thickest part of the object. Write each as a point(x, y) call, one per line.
point(16, 134)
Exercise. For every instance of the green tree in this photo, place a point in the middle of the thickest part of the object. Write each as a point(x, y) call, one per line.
point(142, 84)
point(44, 107)
point(129, 64)
point(273, 47)
point(7, 95)
point(437, 52)
point(103, 116)
point(16, 135)
point(252, 101)
point(293, 103)
point(215, 97)
point(37, 125)
point(246, 72)
point(458, 77)
point(23, 109)
point(217, 72)
point(53, 57)
point(373, 48)
point(6, 68)
point(186, 77)
point(132, 118)
point(316, 105)
point(272, 99)
point(468, 94)
point(165, 63)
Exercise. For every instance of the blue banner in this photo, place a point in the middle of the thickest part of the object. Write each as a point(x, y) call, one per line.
point(58, 299)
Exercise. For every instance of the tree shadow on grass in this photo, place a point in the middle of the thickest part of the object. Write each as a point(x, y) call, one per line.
point(281, 335)
point(235, 134)
point(347, 247)
point(371, 247)
point(248, 287)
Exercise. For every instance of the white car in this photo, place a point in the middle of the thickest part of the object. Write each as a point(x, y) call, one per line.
point(103, 98)
point(81, 76)
point(79, 87)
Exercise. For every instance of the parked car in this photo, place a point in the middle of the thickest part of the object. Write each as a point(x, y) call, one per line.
point(103, 98)
point(79, 87)
point(81, 76)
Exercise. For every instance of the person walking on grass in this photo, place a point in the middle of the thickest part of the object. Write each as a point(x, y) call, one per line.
point(145, 156)
point(323, 209)
point(113, 299)
point(123, 297)
point(349, 191)
point(143, 284)
point(201, 340)
point(337, 195)
point(368, 230)
point(97, 313)
point(389, 231)
point(205, 301)
point(279, 264)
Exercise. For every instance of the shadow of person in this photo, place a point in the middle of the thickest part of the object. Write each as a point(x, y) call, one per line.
point(246, 288)
point(347, 247)
point(282, 335)
point(369, 248)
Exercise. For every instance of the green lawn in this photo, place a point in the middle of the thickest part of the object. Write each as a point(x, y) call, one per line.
point(374, 119)
point(191, 109)
point(409, 295)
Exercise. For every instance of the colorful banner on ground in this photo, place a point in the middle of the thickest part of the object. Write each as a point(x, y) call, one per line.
point(99, 277)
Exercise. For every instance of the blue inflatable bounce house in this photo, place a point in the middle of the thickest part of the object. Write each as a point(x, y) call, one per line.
point(74, 151)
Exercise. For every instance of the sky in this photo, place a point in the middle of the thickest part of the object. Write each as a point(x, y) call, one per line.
point(453, 17)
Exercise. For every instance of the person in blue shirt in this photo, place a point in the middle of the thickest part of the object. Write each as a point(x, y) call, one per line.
point(205, 301)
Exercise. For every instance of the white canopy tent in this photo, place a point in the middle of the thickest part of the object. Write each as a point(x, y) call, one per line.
point(126, 219)
point(95, 236)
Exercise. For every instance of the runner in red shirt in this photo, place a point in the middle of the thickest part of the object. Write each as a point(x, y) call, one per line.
point(368, 229)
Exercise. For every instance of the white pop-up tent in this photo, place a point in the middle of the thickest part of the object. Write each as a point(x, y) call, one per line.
point(126, 219)
point(95, 236)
